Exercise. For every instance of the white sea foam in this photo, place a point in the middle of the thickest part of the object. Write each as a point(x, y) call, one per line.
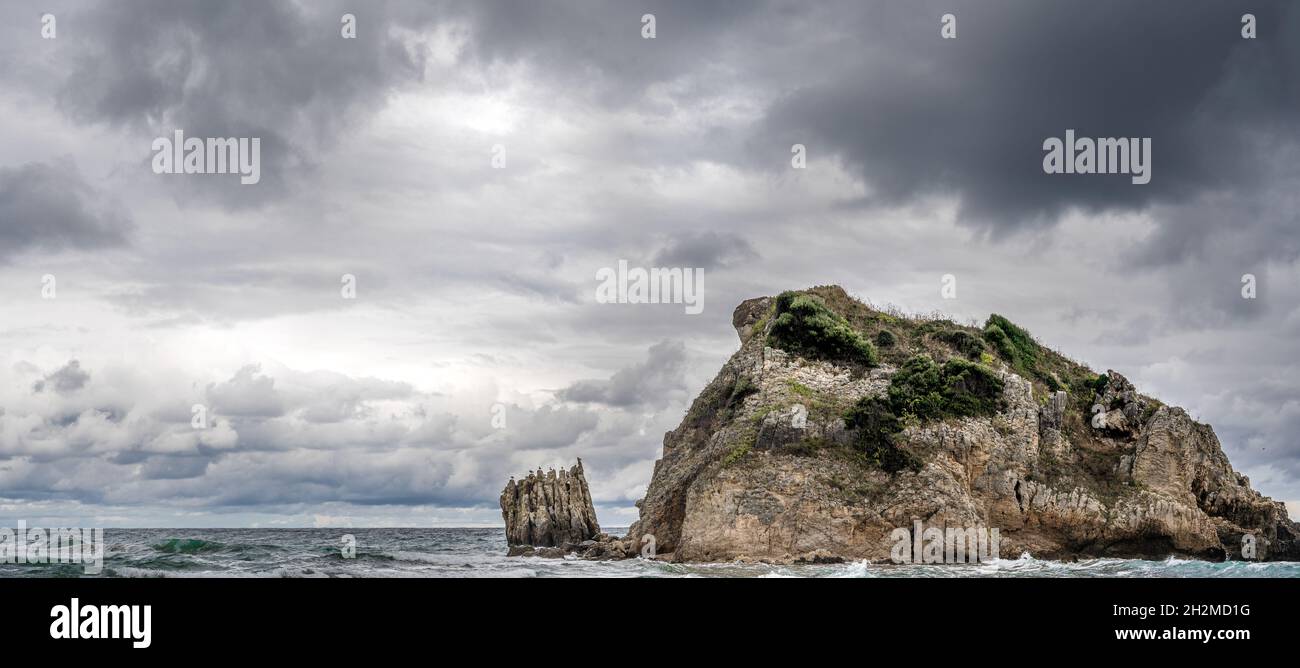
point(421, 553)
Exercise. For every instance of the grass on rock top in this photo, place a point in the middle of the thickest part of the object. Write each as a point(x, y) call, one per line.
point(944, 368)
point(899, 336)
point(806, 326)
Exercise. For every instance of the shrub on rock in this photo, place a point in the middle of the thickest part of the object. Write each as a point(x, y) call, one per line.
point(805, 326)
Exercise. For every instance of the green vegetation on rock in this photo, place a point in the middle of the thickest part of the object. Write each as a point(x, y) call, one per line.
point(1014, 344)
point(737, 453)
point(875, 425)
point(958, 388)
point(966, 343)
point(922, 390)
point(954, 376)
point(1032, 361)
point(800, 389)
point(805, 326)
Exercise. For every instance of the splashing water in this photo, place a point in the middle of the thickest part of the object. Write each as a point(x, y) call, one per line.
point(480, 553)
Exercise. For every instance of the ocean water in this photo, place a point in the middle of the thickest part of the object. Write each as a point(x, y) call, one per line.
point(442, 553)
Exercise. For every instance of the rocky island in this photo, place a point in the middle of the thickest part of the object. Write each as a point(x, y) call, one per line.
point(836, 424)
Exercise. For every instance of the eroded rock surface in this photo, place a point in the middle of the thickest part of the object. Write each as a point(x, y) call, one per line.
point(763, 466)
point(549, 510)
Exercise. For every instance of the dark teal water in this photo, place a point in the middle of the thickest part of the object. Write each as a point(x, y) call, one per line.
point(480, 553)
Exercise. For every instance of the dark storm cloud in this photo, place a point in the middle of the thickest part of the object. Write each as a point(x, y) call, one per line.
point(276, 70)
point(871, 83)
point(915, 114)
point(155, 61)
point(48, 206)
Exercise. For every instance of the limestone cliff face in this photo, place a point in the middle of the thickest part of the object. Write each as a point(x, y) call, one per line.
point(551, 509)
point(765, 467)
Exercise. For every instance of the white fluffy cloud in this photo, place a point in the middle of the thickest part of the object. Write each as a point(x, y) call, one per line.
point(286, 439)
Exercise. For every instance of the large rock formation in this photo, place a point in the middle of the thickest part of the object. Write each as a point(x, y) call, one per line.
point(551, 509)
point(1064, 462)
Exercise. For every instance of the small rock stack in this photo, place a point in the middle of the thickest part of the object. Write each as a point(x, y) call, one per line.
point(551, 509)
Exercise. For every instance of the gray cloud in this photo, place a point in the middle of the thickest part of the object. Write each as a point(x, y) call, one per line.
point(275, 70)
point(277, 437)
point(247, 394)
point(654, 382)
point(67, 379)
point(708, 250)
point(916, 115)
point(48, 206)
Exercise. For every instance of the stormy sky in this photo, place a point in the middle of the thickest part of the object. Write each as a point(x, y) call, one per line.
point(475, 347)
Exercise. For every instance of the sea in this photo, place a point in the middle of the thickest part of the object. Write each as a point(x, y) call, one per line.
point(480, 552)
